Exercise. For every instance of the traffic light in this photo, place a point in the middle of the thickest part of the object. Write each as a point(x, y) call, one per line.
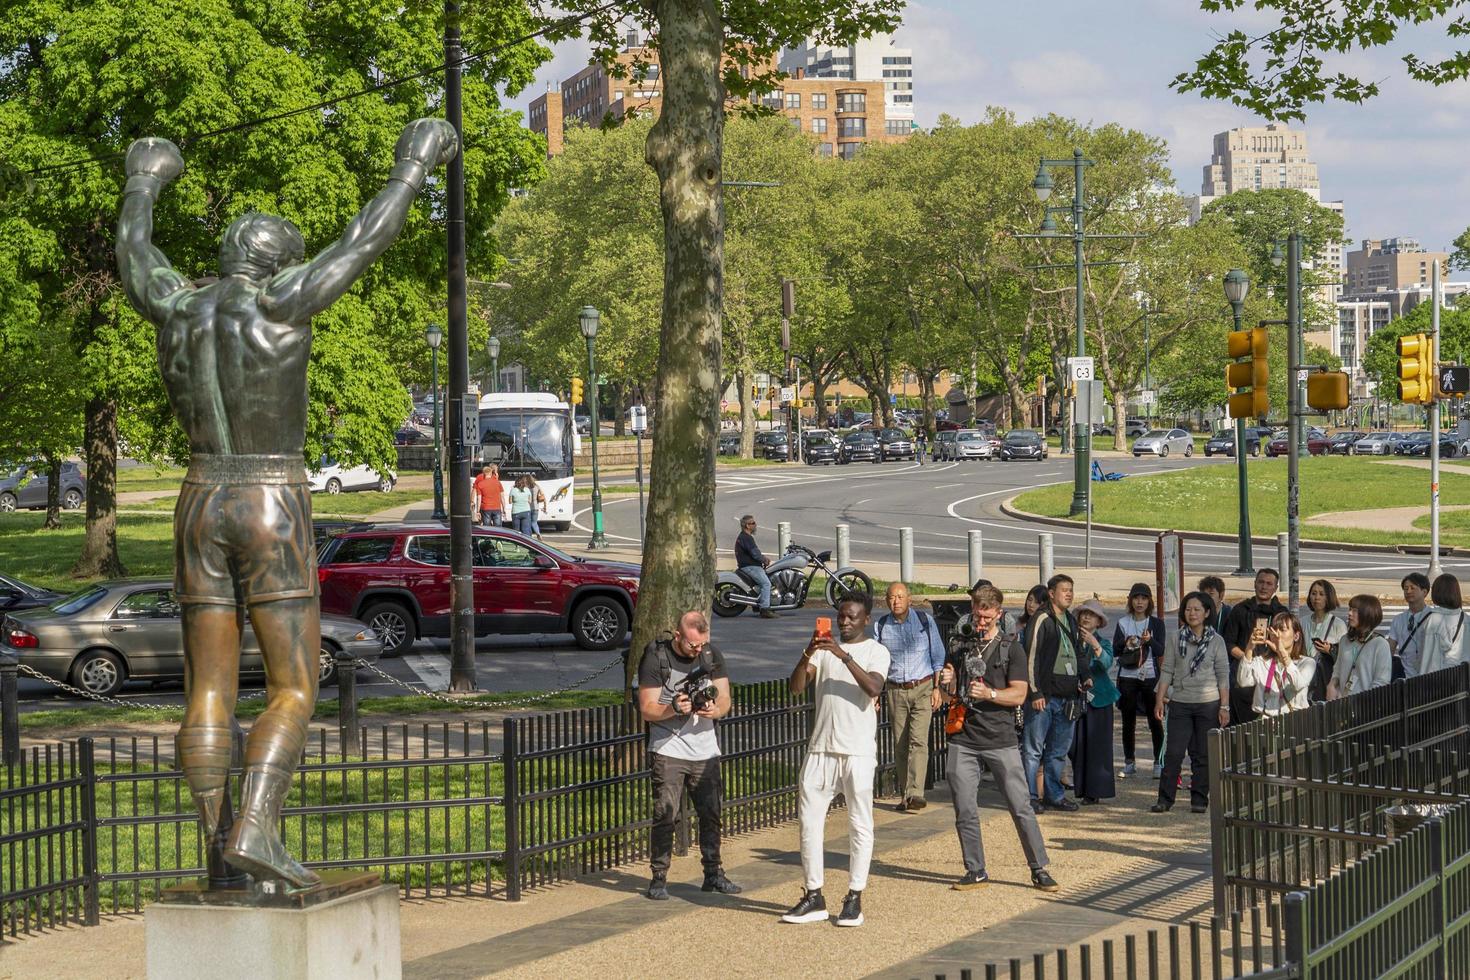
point(1249, 376)
point(576, 391)
point(1327, 390)
point(1416, 369)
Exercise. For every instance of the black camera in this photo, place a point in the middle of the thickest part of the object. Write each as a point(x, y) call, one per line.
point(699, 687)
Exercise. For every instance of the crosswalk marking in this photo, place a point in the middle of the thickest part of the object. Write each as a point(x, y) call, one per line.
point(431, 668)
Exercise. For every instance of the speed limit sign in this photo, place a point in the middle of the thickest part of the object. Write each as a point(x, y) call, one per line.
point(1080, 368)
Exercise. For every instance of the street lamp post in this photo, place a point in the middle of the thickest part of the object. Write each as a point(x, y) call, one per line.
point(435, 336)
point(1237, 286)
point(1082, 438)
point(587, 319)
point(493, 347)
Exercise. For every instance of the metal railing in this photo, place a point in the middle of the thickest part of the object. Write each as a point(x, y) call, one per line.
point(1301, 796)
point(97, 826)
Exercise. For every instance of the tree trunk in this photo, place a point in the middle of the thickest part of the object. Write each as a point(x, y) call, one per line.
point(99, 558)
point(1120, 422)
point(53, 492)
point(617, 395)
point(684, 148)
point(926, 392)
point(747, 414)
point(819, 396)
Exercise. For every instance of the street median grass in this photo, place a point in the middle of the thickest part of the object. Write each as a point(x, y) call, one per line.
point(45, 558)
point(1204, 499)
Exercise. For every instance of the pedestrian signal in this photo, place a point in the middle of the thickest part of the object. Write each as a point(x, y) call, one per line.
point(1327, 390)
point(576, 391)
point(1249, 376)
point(1416, 369)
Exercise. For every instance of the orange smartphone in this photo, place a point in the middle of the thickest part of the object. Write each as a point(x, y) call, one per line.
point(824, 627)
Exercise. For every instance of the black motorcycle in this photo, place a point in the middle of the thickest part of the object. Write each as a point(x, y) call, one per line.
point(791, 580)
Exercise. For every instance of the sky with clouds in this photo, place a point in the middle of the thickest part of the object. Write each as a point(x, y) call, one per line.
point(1400, 162)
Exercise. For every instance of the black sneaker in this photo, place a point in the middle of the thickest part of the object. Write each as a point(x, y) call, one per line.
point(971, 880)
point(1198, 808)
point(1159, 807)
point(658, 889)
point(717, 882)
point(1064, 804)
point(852, 910)
point(1038, 807)
point(1044, 881)
point(811, 908)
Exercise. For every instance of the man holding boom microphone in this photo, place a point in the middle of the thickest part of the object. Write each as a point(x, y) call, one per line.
point(682, 689)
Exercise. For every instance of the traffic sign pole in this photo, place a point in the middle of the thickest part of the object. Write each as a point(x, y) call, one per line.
point(1434, 434)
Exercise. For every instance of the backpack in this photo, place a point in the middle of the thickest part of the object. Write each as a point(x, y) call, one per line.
point(925, 620)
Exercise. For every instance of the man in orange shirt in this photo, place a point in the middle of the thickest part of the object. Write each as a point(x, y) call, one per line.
point(490, 493)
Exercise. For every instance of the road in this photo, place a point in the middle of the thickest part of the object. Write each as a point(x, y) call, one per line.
point(942, 501)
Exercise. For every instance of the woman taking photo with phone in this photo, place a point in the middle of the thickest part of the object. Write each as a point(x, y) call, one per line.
point(1283, 679)
point(1363, 658)
point(1194, 691)
point(1138, 647)
point(1092, 742)
point(1324, 631)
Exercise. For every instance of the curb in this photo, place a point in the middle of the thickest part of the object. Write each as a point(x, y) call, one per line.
point(1007, 509)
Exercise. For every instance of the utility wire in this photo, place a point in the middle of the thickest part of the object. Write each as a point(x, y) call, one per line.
point(554, 26)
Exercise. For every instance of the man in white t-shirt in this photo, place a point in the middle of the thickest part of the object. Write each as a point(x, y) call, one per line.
point(841, 753)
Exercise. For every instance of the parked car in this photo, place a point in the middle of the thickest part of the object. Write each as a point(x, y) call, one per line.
point(331, 476)
point(1341, 444)
point(1376, 444)
point(895, 444)
point(411, 435)
point(1419, 442)
point(730, 442)
point(945, 425)
point(1132, 428)
point(16, 595)
point(777, 447)
point(819, 447)
point(1162, 442)
point(1316, 446)
point(129, 629)
point(1023, 444)
point(395, 578)
point(1407, 440)
point(973, 444)
point(858, 446)
point(583, 424)
point(764, 438)
point(944, 442)
point(26, 487)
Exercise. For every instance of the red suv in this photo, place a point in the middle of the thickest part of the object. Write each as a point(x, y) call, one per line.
point(396, 579)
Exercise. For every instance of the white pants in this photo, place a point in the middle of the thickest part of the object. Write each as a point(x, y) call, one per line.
point(823, 776)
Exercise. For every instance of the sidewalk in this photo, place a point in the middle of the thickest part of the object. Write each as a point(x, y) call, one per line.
point(1119, 867)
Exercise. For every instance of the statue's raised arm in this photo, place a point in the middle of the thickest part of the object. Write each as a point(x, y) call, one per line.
point(150, 281)
point(295, 294)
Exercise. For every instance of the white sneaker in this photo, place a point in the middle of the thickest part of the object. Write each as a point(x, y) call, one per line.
point(1158, 770)
point(1129, 768)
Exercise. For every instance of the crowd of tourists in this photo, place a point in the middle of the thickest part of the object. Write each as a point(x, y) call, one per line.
point(1024, 692)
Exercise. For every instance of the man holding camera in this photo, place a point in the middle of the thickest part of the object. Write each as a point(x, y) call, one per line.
point(682, 689)
point(841, 753)
point(984, 680)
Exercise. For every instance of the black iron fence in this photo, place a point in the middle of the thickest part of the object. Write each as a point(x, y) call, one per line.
point(97, 826)
point(1299, 797)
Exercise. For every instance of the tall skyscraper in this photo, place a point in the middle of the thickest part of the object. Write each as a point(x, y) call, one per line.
point(869, 59)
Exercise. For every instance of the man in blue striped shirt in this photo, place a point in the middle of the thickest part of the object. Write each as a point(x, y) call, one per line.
point(917, 656)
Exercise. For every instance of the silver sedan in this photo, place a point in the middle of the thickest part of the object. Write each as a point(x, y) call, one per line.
point(108, 633)
point(972, 444)
point(1162, 442)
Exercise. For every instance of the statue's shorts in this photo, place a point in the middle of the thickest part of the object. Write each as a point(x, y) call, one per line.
point(242, 531)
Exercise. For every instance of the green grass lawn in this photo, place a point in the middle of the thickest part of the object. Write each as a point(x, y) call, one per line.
point(1204, 499)
point(45, 558)
point(323, 505)
point(149, 478)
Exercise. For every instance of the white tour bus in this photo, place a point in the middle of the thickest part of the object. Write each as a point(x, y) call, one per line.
point(531, 432)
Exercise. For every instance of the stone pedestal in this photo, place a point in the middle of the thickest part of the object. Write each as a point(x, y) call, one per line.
point(347, 928)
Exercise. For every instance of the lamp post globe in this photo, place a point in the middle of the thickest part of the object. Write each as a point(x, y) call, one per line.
point(434, 336)
point(492, 347)
point(1042, 185)
point(1276, 255)
point(587, 318)
point(1237, 287)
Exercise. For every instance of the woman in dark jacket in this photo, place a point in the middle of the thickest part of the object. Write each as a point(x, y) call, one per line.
point(1138, 648)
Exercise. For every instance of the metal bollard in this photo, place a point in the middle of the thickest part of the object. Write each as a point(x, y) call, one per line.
point(347, 728)
point(9, 711)
point(906, 554)
point(977, 564)
point(1045, 563)
point(783, 537)
point(1283, 555)
point(844, 552)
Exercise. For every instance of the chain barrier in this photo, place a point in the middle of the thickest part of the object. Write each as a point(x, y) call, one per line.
point(373, 668)
point(461, 700)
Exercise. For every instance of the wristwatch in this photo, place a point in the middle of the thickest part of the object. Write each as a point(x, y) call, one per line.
point(993, 695)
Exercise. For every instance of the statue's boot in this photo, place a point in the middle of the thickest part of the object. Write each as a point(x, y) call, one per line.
point(254, 845)
point(203, 754)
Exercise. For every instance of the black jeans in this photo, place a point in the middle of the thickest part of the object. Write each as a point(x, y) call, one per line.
point(1135, 698)
point(670, 778)
point(1188, 724)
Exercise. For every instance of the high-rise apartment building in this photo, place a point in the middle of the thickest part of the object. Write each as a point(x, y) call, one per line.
point(843, 114)
point(1391, 265)
point(869, 59)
